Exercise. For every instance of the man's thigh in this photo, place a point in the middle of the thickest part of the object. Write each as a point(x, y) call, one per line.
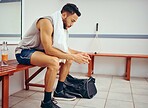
point(24, 56)
point(39, 58)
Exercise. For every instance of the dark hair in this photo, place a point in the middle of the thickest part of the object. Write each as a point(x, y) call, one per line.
point(71, 8)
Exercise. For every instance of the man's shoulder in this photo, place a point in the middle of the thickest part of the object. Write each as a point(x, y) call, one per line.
point(46, 19)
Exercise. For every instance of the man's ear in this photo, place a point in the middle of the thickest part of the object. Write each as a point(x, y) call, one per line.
point(64, 14)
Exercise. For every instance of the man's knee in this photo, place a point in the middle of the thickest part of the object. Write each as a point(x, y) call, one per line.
point(54, 65)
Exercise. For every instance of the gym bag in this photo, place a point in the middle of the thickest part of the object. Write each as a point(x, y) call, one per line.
point(82, 88)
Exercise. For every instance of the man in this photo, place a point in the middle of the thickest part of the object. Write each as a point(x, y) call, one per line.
point(37, 48)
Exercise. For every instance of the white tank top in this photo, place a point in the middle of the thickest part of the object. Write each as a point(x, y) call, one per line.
point(31, 39)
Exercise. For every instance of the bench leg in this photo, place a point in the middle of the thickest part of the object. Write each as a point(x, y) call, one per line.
point(26, 78)
point(128, 68)
point(29, 78)
point(5, 91)
point(90, 66)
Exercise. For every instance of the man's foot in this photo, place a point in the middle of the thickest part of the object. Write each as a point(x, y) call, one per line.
point(49, 104)
point(63, 96)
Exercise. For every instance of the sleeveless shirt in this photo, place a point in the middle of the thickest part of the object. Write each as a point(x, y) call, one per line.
point(31, 39)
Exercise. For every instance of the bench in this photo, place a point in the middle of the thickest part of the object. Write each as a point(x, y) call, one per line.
point(128, 61)
point(7, 71)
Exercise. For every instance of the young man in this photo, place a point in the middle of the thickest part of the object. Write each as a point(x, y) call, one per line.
point(37, 48)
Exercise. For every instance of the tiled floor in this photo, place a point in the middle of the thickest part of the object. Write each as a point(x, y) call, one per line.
point(113, 92)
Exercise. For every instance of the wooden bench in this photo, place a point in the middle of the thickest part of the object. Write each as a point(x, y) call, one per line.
point(9, 70)
point(128, 61)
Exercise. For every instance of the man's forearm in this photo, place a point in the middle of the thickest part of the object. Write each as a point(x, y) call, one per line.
point(72, 51)
point(58, 53)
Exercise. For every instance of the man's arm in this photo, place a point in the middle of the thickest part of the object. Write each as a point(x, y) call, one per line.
point(72, 51)
point(46, 30)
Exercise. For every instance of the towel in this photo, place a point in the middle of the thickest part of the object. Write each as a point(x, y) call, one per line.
point(60, 34)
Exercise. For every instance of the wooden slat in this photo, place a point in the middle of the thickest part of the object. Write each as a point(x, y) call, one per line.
point(36, 85)
point(120, 55)
point(110, 55)
point(138, 56)
point(12, 67)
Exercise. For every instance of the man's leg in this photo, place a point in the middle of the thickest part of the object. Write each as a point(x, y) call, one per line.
point(59, 93)
point(52, 64)
point(63, 72)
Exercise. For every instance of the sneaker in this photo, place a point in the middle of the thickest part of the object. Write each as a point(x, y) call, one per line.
point(63, 96)
point(50, 104)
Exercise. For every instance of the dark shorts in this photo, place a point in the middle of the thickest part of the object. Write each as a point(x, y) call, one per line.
point(25, 55)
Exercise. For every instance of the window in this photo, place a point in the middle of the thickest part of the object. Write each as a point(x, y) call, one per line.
point(10, 20)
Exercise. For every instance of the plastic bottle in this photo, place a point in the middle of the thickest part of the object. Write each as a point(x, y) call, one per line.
point(4, 54)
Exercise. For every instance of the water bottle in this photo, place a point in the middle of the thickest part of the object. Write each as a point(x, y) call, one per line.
point(4, 54)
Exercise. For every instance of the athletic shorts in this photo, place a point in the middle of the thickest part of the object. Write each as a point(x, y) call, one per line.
point(25, 56)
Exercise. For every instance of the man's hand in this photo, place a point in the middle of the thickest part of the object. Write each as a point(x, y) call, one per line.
point(81, 58)
point(85, 54)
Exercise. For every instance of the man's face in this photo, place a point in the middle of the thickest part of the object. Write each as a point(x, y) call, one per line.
point(69, 20)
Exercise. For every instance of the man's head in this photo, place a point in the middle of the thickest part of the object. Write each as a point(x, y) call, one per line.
point(70, 14)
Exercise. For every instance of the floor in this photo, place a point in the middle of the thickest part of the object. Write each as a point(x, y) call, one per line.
point(113, 92)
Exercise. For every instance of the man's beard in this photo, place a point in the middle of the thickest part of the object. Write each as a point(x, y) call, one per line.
point(64, 25)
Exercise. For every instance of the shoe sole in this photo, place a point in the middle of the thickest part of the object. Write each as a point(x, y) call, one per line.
point(64, 99)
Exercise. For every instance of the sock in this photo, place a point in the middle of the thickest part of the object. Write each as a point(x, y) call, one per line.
point(59, 86)
point(47, 96)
